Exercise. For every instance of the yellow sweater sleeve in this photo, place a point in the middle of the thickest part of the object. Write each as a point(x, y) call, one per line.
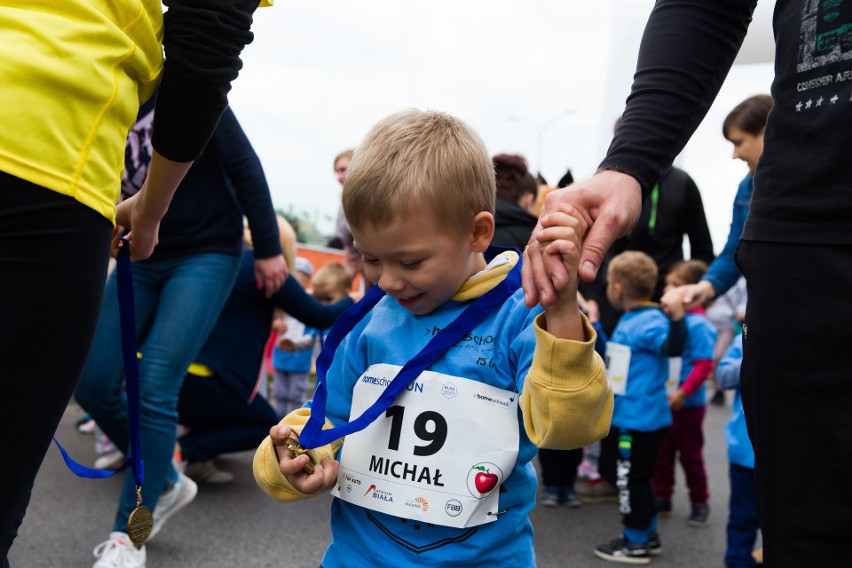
point(566, 400)
point(267, 473)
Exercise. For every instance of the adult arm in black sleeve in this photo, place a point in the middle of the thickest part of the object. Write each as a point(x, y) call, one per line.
point(687, 50)
point(202, 40)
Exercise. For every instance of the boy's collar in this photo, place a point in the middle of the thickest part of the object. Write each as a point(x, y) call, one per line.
point(485, 280)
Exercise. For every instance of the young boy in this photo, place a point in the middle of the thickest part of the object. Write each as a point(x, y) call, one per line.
point(688, 401)
point(638, 366)
point(442, 475)
point(293, 355)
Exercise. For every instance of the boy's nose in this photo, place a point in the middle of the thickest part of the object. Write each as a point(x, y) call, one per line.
point(390, 282)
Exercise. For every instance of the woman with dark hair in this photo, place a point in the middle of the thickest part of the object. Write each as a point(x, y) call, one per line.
point(516, 192)
point(743, 127)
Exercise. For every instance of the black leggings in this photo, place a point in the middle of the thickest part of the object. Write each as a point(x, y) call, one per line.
point(53, 259)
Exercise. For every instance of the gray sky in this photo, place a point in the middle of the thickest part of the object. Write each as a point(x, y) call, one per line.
point(319, 74)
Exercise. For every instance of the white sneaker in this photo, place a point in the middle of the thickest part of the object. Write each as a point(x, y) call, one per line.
point(111, 461)
point(118, 552)
point(179, 496)
point(207, 472)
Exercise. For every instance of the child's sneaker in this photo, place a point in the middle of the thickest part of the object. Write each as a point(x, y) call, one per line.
point(118, 552)
point(597, 491)
point(588, 470)
point(179, 496)
point(700, 515)
point(206, 472)
point(623, 552)
point(550, 497)
point(570, 499)
point(655, 546)
point(85, 425)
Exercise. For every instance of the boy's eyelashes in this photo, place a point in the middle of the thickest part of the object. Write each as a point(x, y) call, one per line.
point(407, 265)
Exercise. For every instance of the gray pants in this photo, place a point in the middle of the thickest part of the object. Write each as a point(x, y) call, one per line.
point(289, 391)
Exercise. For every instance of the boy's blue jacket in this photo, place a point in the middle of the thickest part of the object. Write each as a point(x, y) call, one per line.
point(652, 339)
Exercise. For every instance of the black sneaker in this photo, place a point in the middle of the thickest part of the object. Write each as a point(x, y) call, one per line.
point(623, 552)
point(700, 515)
point(718, 398)
point(663, 506)
point(655, 546)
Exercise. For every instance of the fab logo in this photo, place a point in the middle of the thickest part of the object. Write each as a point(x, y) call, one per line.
point(483, 478)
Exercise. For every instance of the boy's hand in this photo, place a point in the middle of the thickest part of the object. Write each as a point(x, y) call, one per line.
point(676, 399)
point(286, 344)
point(325, 472)
point(672, 304)
point(562, 236)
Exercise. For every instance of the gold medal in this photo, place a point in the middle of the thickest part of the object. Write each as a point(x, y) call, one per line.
point(297, 450)
point(140, 522)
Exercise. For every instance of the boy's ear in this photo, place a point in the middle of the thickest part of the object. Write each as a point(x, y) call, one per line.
point(483, 231)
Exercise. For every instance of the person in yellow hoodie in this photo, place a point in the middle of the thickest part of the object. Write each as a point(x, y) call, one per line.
point(74, 74)
point(441, 380)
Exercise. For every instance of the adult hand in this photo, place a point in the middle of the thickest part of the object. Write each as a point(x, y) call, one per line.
point(610, 202)
point(695, 295)
point(270, 273)
point(144, 227)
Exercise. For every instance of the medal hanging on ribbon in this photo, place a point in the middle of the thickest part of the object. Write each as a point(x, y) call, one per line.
point(140, 522)
point(313, 436)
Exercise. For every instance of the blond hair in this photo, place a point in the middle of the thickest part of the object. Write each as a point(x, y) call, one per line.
point(344, 154)
point(287, 238)
point(636, 272)
point(416, 158)
point(337, 276)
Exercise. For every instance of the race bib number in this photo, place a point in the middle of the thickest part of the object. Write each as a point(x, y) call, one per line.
point(617, 366)
point(673, 380)
point(439, 454)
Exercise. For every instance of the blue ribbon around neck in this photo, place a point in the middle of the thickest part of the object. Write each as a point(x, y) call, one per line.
point(313, 436)
point(127, 311)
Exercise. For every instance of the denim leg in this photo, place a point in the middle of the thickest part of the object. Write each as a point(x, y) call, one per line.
point(192, 293)
point(100, 390)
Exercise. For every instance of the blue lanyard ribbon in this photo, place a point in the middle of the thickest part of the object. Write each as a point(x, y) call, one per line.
point(313, 436)
point(127, 311)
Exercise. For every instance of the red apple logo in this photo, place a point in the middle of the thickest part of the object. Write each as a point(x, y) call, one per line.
point(484, 480)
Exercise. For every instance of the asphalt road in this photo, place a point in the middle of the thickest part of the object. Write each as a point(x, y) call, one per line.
point(239, 526)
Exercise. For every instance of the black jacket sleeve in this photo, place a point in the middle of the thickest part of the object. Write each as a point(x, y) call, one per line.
point(687, 50)
point(202, 40)
point(293, 299)
point(242, 166)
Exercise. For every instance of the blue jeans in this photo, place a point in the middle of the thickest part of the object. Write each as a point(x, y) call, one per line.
point(742, 518)
point(177, 304)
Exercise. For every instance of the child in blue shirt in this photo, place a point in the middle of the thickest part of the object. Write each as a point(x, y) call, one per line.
point(637, 365)
point(443, 382)
point(293, 355)
point(742, 510)
point(688, 401)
